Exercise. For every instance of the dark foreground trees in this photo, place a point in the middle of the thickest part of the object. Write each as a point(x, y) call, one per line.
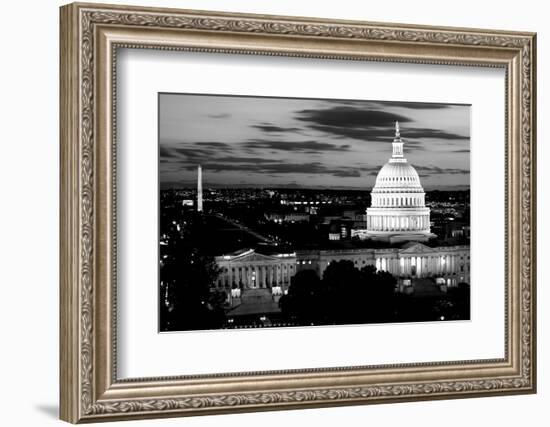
point(187, 274)
point(452, 305)
point(345, 294)
point(460, 302)
point(348, 295)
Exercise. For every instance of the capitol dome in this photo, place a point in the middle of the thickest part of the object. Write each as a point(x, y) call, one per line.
point(397, 174)
point(398, 211)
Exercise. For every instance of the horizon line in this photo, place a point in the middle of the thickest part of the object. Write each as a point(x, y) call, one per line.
point(457, 187)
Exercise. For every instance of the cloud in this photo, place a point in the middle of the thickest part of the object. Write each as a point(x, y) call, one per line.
point(412, 137)
point(192, 150)
point(417, 105)
point(347, 173)
point(370, 125)
point(221, 150)
point(170, 142)
point(310, 146)
point(435, 170)
point(236, 159)
point(348, 116)
point(394, 104)
point(425, 133)
point(219, 116)
point(165, 153)
point(270, 128)
point(217, 145)
point(267, 167)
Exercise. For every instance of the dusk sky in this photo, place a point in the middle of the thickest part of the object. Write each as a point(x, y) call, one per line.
point(259, 141)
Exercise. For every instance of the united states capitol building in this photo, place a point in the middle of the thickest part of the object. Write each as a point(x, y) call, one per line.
point(398, 211)
point(397, 217)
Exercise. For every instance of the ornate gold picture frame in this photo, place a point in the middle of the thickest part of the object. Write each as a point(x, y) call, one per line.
point(90, 37)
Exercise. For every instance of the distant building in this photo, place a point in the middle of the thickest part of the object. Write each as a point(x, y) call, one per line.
point(398, 211)
point(334, 231)
point(305, 202)
point(360, 233)
point(287, 217)
point(447, 229)
point(249, 270)
point(354, 215)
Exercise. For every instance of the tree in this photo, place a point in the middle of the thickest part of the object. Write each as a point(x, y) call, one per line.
point(379, 294)
point(305, 301)
point(345, 293)
point(460, 300)
point(189, 274)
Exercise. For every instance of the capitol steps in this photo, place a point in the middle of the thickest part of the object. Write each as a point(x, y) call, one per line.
point(256, 301)
point(425, 288)
point(256, 295)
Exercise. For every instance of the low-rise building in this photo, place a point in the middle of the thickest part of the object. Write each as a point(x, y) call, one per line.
point(249, 269)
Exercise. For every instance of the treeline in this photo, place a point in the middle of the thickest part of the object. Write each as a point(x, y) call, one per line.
point(186, 301)
point(344, 294)
point(348, 295)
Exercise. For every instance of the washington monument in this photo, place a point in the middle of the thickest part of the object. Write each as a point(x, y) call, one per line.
point(199, 189)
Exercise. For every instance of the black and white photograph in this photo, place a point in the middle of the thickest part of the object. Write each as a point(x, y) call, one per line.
point(302, 212)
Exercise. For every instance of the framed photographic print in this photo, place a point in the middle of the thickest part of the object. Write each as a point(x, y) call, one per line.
point(265, 212)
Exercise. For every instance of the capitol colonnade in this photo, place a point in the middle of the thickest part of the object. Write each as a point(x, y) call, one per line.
point(412, 260)
point(452, 264)
point(402, 222)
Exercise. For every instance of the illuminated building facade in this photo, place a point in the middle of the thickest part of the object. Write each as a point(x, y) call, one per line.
point(251, 270)
point(398, 211)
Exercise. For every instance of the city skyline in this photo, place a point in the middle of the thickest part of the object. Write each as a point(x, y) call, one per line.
point(306, 143)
